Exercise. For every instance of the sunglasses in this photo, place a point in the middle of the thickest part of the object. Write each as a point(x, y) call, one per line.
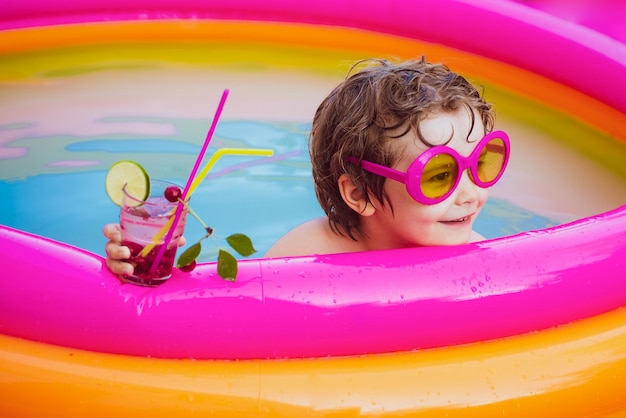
point(436, 173)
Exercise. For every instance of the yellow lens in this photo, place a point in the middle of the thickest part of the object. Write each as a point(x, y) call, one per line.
point(491, 160)
point(439, 175)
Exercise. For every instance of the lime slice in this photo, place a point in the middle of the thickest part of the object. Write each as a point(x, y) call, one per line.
point(131, 174)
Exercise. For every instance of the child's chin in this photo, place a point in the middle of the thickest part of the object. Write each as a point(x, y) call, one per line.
point(456, 239)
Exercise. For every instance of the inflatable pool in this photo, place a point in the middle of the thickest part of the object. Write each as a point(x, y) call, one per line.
point(532, 323)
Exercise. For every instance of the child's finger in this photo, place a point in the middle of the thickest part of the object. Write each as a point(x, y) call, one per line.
point(113, 232)
point(115, 251)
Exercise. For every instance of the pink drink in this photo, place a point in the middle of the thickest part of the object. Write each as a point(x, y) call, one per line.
point(140, 223)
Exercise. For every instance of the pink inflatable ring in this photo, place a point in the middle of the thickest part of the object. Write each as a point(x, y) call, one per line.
point(330, 318)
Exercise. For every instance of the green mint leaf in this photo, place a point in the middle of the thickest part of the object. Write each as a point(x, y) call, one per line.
point(241, 243)
point(226, 265)
point(189, 255)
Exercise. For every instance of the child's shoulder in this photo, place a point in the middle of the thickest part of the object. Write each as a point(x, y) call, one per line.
point(311, 237)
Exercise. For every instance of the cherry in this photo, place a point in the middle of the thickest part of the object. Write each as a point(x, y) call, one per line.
point(173, 193)
point(189, 267)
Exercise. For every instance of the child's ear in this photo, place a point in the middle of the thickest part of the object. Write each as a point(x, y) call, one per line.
point(353, 197)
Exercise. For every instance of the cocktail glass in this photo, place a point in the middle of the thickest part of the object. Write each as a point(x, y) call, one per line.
point(141, 222)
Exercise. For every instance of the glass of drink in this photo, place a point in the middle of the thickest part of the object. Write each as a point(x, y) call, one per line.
point(141, 221)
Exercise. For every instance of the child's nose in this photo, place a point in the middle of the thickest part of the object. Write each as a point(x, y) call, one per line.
point(467, 191)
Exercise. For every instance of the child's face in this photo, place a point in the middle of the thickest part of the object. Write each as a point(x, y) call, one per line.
point(448, 222)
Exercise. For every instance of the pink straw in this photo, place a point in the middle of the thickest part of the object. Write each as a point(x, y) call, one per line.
point(179, 208)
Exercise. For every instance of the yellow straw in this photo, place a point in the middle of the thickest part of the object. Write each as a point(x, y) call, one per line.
point(219, 154)
point(198, 179)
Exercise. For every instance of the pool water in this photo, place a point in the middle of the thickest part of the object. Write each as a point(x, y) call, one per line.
point(262, 197)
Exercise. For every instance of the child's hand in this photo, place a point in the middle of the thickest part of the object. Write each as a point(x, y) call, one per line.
point(116, 251)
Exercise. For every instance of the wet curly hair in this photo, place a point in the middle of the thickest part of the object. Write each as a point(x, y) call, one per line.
point(378, 102)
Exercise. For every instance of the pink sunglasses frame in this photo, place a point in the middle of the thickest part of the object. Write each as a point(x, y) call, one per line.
point(413, 174)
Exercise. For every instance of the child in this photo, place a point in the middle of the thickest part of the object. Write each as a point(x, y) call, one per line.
point(402, 157)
